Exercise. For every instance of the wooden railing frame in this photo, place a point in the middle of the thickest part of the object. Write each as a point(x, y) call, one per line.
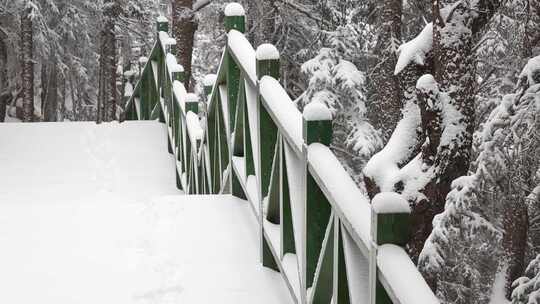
point(251, 151)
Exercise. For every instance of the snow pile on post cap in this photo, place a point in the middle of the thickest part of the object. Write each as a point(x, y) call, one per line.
point(162, 19)
point(194, 127)
point(415, 50)
point(143, 60)
point(234, 9)
point(427, 83)
point(267, 51)
point(316, 111)
point(191, 97)
point(390, 202)
point(173, 64)
point(209, 80)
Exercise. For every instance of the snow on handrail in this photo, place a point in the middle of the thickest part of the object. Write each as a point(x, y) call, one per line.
point(283, 111)
point(341, 191)
point(243, 52)
point(400, 277)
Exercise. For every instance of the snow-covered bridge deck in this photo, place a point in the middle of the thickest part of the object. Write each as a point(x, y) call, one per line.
point(91, 214)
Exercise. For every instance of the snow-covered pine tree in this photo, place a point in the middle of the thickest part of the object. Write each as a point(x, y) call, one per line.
point(485, 218)
point(385, 98)
point(339, 84)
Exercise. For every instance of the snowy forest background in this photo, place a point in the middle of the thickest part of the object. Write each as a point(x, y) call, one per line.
point(437, 100)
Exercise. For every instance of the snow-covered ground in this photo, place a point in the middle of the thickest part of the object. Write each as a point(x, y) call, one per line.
point(90, 214)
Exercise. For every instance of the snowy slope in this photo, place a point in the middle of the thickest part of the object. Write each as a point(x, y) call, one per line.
point(90, 214)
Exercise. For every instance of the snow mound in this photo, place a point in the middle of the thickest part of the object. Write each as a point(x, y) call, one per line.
point(195, 130)
point(427, 83)
point(316, 111)
point(390, 202)
point(128, 90)
point(143, 60)
point(415, 50)
point(531, 71)
point(234, 9)
point(162, 19)
point(267, 51)
point(209, 80)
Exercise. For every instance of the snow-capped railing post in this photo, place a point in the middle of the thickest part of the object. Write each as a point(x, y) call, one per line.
point(390, 225)
point(235, 17)
point(316, 129)
point(267, 64)
point(162, 25)
point(234, 20)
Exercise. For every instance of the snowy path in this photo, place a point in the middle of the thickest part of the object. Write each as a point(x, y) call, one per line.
point(90, 214)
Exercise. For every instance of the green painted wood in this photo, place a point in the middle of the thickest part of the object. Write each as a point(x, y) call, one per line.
point(318, 211)
point(237, 189)
point(267, 142)
point(381, 297)
point(286, 213)
point(323, 286)
point(238, 139)
point(318, 208)
point(235, 23)
point(268, 257)
point(317, 131)
point(267, 127)
point(223, 144)
point(179, 76)
point(248, 148)
point(273, 210)
point(162, 26)
point(216, 175)
point(233, 84)
point(178, 181)
point(393, 228)
point(342, 282)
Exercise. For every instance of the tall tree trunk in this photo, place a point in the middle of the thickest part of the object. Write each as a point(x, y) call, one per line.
point(184, 27)
point(50, 103)
point(4, 91)
point(454, 34)
point(27, 63)
point(108, 62)
point(384, 108)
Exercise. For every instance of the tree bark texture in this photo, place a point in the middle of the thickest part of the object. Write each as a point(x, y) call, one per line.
point(108, 62)
point(27, 64)
point(455, 31)
point(184, 28)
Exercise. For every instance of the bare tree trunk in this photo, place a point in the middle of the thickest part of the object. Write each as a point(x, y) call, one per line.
point(384, 108)
point(515, 223)
point(27, 64)
point(4, 91)
point(184, 27)
point(108, 63)
point(50, 103)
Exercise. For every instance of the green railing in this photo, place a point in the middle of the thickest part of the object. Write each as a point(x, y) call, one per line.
point(329, 242)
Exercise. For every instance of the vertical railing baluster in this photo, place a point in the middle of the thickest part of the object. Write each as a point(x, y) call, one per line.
point(390, 222)
point(317, 128)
